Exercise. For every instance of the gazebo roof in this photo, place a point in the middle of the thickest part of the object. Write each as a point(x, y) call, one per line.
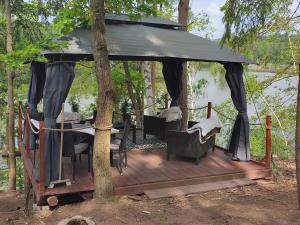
point(149, 38)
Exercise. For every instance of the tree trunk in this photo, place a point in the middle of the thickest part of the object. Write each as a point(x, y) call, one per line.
point(140, 101)
point(191, 96)
point(10, 104)
point(183, 10)
point(101, 156)
point(153, 78)
point(136, 104)
point(297, 137)
point(150, 103)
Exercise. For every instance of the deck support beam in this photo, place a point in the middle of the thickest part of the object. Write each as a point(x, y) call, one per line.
point(52, 201)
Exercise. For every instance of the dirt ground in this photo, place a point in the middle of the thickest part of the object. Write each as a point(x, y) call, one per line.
point(271, 201)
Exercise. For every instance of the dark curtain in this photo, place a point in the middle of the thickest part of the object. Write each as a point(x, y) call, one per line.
point(59, 78)
point(172, 71)
point(35, 93)
point(239, 141)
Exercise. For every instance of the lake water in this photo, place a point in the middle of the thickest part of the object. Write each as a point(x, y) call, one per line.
point(215, 91)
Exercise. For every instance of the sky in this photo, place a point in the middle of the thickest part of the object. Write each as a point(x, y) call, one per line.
point(212, 8)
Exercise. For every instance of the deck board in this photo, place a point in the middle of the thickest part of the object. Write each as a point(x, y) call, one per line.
point(197, 188)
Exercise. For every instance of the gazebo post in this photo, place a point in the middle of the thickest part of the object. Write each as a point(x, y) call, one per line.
point(268, 140)
point(209, 106)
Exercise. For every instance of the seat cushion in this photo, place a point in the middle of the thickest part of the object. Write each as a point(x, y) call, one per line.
point(114, 147)
point(115, 141)
point(81, 147)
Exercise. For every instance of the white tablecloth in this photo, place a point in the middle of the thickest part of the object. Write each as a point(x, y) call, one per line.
point(90, 131)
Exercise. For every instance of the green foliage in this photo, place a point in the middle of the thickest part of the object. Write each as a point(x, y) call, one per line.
point(267, 30)
point(120, 83)
point(19, 177)
point(200, 23)
point(217, 71)
point(198, 86)
point(248, 19)
point(136, 7)
point(226, 108)
point(3, 178)
point(73, 101)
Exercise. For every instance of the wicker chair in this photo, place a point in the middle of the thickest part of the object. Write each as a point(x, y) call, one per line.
point(118, 147)
point(74, 143)
point(184, 144)
point(159, 127)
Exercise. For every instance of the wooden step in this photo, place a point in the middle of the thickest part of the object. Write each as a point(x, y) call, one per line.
point(197, 188)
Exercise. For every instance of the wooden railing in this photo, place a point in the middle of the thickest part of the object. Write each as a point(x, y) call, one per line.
point(27, 143)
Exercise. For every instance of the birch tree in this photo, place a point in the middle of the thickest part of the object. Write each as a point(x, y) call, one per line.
point(150, 101)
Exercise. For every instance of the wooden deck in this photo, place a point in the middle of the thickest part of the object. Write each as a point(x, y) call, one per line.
point(149, 170)
point(83, 180)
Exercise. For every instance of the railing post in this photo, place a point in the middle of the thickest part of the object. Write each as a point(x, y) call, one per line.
point(27, 131)
point(20, 125)
point(42, 162)
point(268, 140)
point(209, 106)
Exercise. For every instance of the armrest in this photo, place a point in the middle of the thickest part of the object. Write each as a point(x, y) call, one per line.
point(37, 116)
point(173, 134)
point(117, 138)
point(192, 123)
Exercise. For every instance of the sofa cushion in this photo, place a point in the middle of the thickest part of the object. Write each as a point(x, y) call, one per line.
point(206, 127)
point(172, 114)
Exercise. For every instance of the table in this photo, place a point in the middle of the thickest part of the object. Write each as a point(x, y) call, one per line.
point(89, 131)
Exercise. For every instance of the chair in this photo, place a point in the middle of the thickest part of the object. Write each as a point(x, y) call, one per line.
point(118, 147)
point(159, 127)
point(34, 136)
point(184, 144)
point(75, 143)
point(121, 125)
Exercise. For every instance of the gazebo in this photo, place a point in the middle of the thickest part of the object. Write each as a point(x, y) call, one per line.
point(147, 39)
